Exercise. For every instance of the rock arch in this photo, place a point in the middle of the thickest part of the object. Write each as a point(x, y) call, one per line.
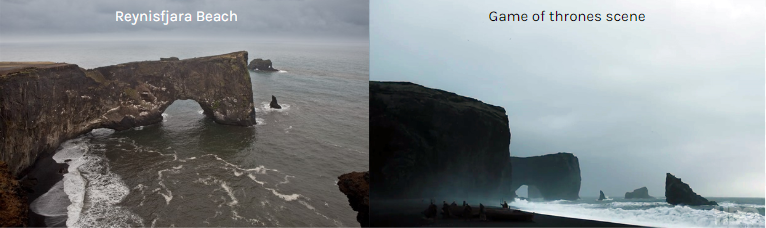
point(554, 176)
point(42, 105)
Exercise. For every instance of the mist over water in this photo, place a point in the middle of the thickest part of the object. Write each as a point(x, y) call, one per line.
point(189, 171)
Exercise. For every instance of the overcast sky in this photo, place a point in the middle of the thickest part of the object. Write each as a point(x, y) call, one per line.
point(681, 92)
point(335, 20)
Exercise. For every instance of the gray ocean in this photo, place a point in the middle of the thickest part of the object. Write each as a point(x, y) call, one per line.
point(189, 171)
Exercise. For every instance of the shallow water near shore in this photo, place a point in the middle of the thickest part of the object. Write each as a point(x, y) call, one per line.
point(190, 171)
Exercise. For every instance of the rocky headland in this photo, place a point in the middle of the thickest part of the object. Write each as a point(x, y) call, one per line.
point(555, 176)
point(641, 193)
point(43, 104)
point(431, 143)
point(678, 192)
point(356, 186)
point(260, 64)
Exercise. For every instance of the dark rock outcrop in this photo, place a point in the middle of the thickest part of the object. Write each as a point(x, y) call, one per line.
point(42, 105)
point(274, 103)
point(678, 192)
point(13, 200)
point(601, 195)
point(556, 176)
point(169, 59)
point(356, 186)
point(260, 64)
point(431, 143)
point(641, 193)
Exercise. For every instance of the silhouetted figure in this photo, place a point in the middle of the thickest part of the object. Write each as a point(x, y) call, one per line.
point(482, 214)
point(464, 203)
point(430, 212)
point(504, 204)
point(453, 204)
point(467, 211)
point(445, 210)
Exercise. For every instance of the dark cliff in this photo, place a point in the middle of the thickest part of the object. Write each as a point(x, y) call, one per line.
point(432, 143)
point(260, 64)
point(678, 192)
point(641, 193)
point(356, 186)
point(42, 105)
point(556, 176)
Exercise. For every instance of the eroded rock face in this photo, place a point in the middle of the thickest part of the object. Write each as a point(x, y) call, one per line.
point(13, 200)
point(641, 193)
point(601, 195)
point(431, 143)
point(678, 192)
point(556, 176)
point(43, 105)
point(356, 186)
point(260, 64)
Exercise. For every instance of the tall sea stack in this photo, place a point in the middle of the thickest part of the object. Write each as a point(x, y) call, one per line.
point(678, 192)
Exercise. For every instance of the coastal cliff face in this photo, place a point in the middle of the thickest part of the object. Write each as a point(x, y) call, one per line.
point(42, 105)
point(556, 176)
point(678, 192)
point(432, 143)
point(356, 186)
point(641, 193)
point(13, 200)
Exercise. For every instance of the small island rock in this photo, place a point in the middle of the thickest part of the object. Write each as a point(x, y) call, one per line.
point(641, 193)
point(260, 64)
point(678, 192)
point(601, 195)
point(274, 103)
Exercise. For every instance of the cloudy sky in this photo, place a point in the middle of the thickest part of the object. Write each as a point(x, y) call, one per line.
point(336, 20)
point(681, 92)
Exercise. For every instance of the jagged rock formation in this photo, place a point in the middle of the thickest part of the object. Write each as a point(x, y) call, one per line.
point(678, 192)
point(641, 193)
point(274, 103)
point(556, 176)
point(44, 104)
point(356, 186)
point(431, 143)
point(13, 200)
point(260, 64)
point(601, 195)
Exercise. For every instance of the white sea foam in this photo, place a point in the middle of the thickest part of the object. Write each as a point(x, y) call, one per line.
point(662, 216)
point(228, 190)
point(165, 117)
point(290, 197)
point(259, 121)
point(266, 109)
point(51, 203)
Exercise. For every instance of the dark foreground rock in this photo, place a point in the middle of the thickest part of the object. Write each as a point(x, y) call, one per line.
point(356, 186)
point(601, 195)
point(641, 193)
point(274, 103)
point(556, 176)
point(13, 200)
point(260, 64)
point(429, 143)
point(678, 192)
point(43, 105)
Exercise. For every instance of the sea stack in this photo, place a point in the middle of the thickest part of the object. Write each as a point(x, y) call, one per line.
point(555, 176)
point(641, 193)
point(601, 195)
point(274, 103)
point(430, 143)
point(260, 64)
point(678, 192)
point(356, 186)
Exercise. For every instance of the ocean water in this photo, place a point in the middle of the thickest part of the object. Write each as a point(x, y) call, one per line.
point(731, 212)
point(189, 171)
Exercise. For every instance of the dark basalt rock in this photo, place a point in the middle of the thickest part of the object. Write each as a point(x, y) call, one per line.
point(274, 103)
point(555, 176)
point(601, 195)
point(13, 200)
point(42, 105)
point(429, 143)
point(678, 192)
point(641, 193)
point(260, 64)
point(356, 186)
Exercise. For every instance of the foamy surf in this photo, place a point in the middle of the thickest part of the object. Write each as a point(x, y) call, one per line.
point(658, 214)
point(266, 109)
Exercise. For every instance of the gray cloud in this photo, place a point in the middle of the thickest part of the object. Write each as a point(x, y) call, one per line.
point(332, 19)
point(682, 92)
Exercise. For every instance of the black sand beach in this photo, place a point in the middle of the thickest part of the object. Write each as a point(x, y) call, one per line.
point(47, 173)
point(407, 213)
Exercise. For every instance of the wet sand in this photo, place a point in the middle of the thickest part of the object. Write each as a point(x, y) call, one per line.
point(47, 173)
point(398, 213)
